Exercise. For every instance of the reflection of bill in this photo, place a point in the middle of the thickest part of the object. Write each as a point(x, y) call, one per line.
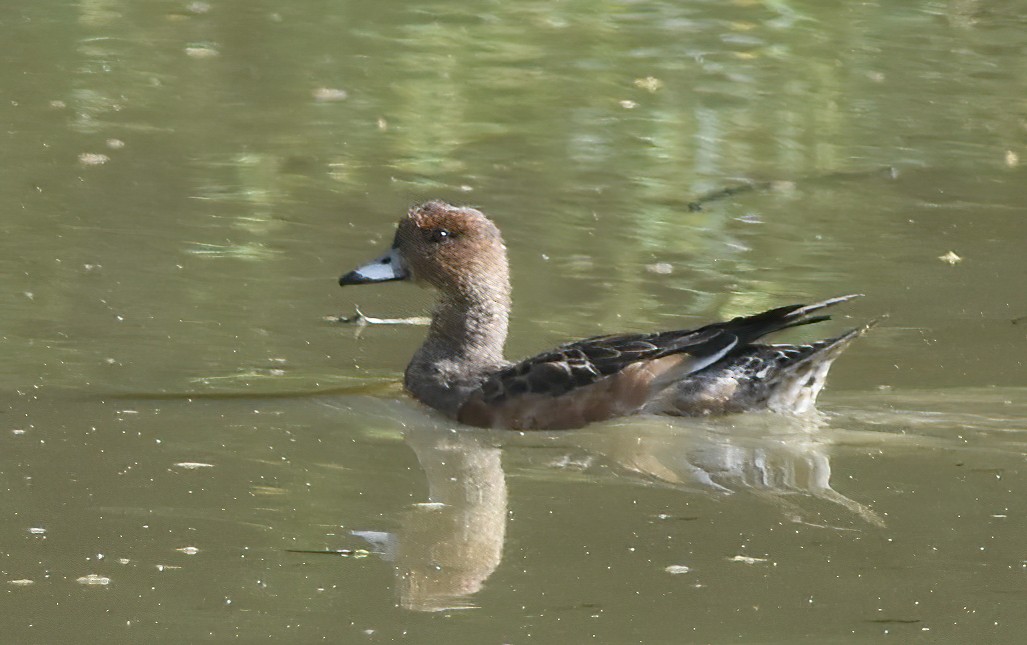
point(448, 547)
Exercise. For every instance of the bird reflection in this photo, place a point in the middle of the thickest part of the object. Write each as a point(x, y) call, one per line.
point(447, 547)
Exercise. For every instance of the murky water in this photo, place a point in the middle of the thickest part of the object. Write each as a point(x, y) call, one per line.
point(184, 182)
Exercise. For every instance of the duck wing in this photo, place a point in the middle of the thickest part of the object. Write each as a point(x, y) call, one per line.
point(585, 362)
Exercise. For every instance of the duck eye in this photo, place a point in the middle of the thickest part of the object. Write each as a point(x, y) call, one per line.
point(440, 235)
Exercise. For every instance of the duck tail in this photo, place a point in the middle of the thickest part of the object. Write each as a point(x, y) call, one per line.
point(795, 387)
point(751, 328)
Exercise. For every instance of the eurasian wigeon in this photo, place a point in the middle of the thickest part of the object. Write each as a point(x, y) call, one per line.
point(460, 370)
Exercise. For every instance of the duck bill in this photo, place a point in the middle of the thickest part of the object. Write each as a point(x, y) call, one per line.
point(384, 269)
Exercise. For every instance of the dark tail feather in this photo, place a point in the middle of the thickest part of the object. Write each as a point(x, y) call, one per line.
point(750, 328)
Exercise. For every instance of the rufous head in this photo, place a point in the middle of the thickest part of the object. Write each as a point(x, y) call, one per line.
point(455, 249)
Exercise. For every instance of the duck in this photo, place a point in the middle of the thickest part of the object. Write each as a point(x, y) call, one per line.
point(460, 369)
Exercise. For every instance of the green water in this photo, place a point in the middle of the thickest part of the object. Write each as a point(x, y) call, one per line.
point(183, 184)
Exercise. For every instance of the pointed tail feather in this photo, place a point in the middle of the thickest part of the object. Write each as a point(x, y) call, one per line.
point(804, 310)
point(751, 328)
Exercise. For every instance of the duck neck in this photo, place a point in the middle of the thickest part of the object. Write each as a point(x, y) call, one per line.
point(465, 342)
point(471, 330)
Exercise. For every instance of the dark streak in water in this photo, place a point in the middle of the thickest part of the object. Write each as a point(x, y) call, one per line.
point(344, 553)
point(367, 388)
point(697, 204)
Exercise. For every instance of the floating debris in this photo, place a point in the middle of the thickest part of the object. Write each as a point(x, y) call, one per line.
point(188, 550)
point(649, 84)
point(94, 580)
point(115, 144)
point(192, 465)
point(93, 159)
point(1012, 159)
point(628, 105)
point(201, 50)
point(251, 251)
point(329, 94)
point(36, 530)
point(677, 569)
point(950, 258)
point(361, 320)
point(23, 582)
point(660, 268)
point(746, 559)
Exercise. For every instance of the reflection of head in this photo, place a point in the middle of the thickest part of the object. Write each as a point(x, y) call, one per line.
point(448, 548)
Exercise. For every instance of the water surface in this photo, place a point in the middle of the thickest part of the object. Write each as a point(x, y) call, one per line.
point(185, 182)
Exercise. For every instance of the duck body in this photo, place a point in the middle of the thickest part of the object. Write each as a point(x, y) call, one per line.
point(460, 370)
